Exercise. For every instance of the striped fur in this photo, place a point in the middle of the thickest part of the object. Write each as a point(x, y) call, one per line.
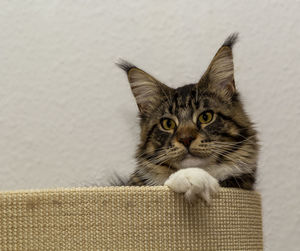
point(226, 147)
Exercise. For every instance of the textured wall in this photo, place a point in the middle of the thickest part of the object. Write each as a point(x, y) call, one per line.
point(67, 116)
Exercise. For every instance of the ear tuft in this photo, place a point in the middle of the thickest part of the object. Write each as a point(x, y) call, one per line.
point(125, 65)
point(231, 40)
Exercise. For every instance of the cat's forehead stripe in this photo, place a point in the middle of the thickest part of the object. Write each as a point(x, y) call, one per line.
point(190, 102)
point(205, 103)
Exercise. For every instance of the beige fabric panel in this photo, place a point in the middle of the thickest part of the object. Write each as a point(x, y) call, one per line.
point(128, 218)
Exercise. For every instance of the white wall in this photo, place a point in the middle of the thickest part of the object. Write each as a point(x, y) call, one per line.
point(67, 116)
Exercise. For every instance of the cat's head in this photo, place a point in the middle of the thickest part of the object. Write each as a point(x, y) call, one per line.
point(194, 124)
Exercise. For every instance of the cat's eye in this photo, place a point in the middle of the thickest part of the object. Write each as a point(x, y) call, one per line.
point(167, 124)
point(206, 117)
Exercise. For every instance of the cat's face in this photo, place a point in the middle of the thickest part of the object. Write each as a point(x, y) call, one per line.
point(194, 125)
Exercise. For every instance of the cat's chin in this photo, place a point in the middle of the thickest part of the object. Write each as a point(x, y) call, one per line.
point(193, 161)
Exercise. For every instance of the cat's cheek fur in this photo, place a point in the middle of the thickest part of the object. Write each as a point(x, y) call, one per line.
point(194, 183)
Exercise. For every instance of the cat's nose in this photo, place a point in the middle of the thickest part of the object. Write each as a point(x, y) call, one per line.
point(186, 141)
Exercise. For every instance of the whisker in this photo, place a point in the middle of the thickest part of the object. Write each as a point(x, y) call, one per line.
point(235, 161)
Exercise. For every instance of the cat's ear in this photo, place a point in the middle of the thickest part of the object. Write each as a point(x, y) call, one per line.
point(220, 73)
point(148, 92)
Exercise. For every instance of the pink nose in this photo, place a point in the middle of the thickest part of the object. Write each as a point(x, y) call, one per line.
point(186, 141)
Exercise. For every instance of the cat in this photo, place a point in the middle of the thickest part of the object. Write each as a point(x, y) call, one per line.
point(197, 137)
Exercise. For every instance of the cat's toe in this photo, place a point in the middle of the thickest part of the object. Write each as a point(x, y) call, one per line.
point(194, 183)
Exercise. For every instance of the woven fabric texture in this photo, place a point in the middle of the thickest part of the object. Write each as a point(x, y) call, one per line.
point(128, 218)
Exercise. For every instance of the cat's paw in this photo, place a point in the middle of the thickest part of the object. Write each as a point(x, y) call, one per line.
point(194, 183)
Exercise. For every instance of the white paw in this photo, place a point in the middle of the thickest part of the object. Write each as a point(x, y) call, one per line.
point(193, 182)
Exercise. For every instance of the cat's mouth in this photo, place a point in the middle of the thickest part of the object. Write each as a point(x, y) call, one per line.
point(193, 161)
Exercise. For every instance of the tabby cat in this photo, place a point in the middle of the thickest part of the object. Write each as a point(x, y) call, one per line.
point(197, 137)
